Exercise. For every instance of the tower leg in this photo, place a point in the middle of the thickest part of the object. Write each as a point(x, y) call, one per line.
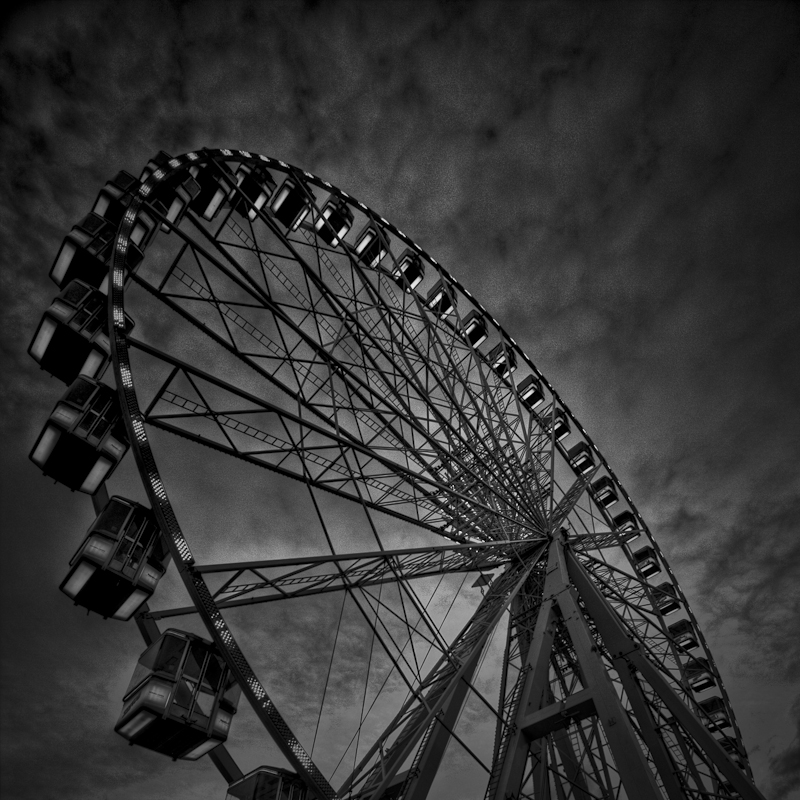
point(624, 650)
point(428, 762)
point(534, 720)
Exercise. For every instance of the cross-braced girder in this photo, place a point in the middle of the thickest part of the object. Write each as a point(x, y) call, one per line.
point(283, 579)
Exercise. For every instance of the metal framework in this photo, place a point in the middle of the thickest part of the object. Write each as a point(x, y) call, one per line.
point(284, 324)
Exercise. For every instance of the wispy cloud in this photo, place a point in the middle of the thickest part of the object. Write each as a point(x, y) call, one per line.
point(618, 183)
point(786, 764)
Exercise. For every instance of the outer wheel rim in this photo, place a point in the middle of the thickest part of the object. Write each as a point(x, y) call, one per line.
point(154, 486)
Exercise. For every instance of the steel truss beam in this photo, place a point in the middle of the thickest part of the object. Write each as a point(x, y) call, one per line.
point(645, 765)
point(358, 571)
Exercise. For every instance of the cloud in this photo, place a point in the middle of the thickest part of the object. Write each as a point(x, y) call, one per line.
point(786, 764)
point(617, 183)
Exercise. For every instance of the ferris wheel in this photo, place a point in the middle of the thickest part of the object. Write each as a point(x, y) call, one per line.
point(486, 611)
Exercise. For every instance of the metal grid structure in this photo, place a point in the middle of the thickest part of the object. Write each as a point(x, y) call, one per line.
point(309, 337)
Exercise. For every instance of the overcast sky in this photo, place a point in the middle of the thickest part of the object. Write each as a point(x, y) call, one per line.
point(619, 183)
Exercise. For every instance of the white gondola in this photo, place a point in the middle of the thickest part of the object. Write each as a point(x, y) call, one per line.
point(530, 392)
point(87, 249)
point(72, 338)
point(115, 197)
point(160, 161)
point(716, 715)
point(119, 563)
point(290, 204)
point(213, 191)
point(581, 458)
point(334, 221)
point(474, 327)
point(502, 359)
point(256, 185)
point(173, 196)
point(699, 675)
point(683, 634)
point(441, 299)
point(181, 698)
point(371, 246)
point(171, 200)
point(559, 426)
point(646, 562)
point(666, 598)
point(605, 492)
point(409, 271)
point(626, 525)
point(84, 439)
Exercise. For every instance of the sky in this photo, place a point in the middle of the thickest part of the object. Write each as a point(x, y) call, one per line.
point(619, 184)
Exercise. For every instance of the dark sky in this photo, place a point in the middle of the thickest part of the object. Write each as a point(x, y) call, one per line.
point(619, 183)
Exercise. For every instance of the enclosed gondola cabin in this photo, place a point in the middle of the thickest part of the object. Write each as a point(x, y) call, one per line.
point(441, 299)
point(409, 271)
point(181, 698)
point(115, 197)
point(626, 526)
point(530, 392)
point(119, 563)
point(715, 713)
point(334, 221)
point(474, 327)
point(605, 492)
point(502, 359)
point(86, 251)
point(72, 338)
point(290, 204)
point(581, 458)
point(170, 197)
point(84, 438)
point(557, 424)
point(213, 190)
point(683, 634)
point(268, 783)
point(159, 161)
point(255, 186)
point(666, 598)
point(698, 674)
point(646, 562)
point(731, 747)
point(371, 246)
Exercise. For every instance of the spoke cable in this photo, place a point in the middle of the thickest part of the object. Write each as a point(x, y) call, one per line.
point(366, 685)
point(394, 666)
point(327, 677)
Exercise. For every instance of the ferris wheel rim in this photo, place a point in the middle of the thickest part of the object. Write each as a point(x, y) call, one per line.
point(135, 421)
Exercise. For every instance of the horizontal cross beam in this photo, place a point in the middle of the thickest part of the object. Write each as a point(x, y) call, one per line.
point(558, 715)
point(365, 569)
point(299, 561)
